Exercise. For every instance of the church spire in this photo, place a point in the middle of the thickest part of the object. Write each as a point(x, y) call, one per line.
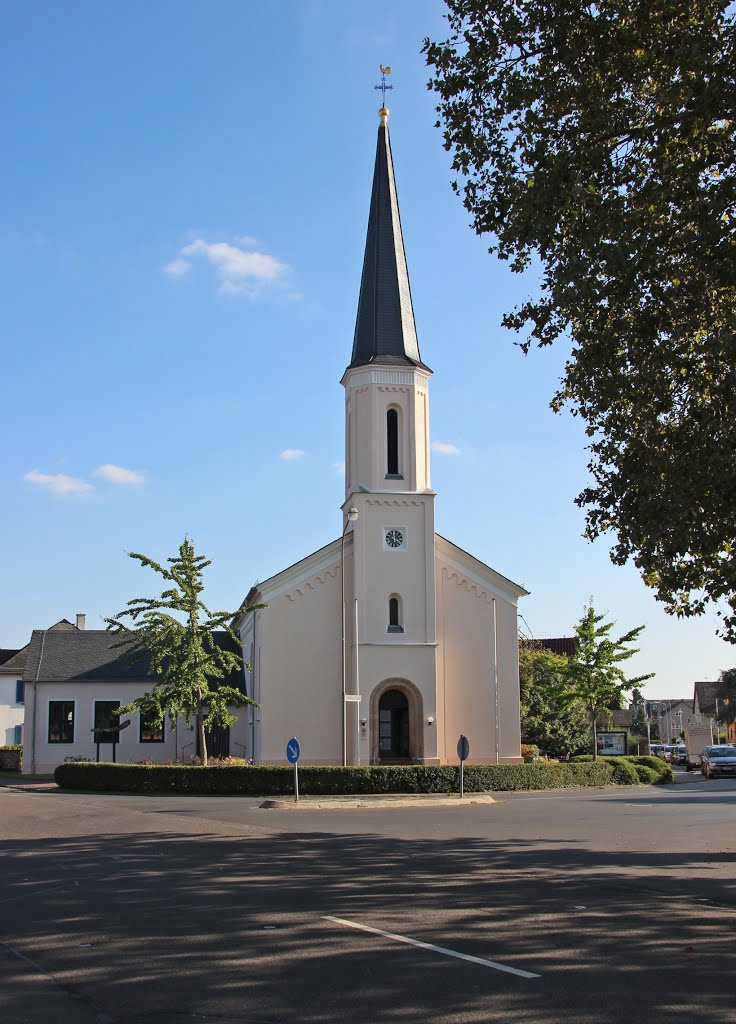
point(385, 332)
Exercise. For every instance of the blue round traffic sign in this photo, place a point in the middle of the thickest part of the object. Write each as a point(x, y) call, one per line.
point(293, 750)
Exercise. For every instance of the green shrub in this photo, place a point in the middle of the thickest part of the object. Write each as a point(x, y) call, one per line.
point(263, 780)
point(530, 752)
point(12, 746)
point(624, 772)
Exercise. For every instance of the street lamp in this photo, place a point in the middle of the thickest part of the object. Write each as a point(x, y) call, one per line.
point(350, 516)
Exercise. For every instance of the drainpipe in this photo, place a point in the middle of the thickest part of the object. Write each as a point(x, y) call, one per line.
point(495, 675)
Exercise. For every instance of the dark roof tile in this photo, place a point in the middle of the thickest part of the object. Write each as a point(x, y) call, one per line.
point(385, 331)
point(78, 655)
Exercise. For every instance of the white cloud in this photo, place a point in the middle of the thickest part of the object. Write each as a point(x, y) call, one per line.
point(445, 448)
point(177, 267)
point(240, 270)
point(339, 467)
point(292, 454)
point(118, 475)
point(60, 485)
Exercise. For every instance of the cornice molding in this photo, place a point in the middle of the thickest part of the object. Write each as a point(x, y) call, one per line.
point(313, 582)
point(395, 501)
point(477, 572)
point(361, 377)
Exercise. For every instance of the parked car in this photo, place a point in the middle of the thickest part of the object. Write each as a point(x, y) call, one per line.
point(666, 752)
point(655, 749)
point(719, 759)
point(679, 754)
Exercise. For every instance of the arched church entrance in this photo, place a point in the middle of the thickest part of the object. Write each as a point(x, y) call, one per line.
point(393, 726)
point(396, 723)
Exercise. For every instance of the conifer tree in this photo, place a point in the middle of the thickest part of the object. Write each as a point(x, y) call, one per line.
point(176, 631)
point(595, 674)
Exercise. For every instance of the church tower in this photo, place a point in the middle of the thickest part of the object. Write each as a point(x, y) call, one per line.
point(390, 572)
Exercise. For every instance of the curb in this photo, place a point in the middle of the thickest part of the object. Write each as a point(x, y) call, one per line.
point(311, 803)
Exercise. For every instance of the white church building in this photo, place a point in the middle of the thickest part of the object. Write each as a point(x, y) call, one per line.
point(389, 643)
point(382, 647)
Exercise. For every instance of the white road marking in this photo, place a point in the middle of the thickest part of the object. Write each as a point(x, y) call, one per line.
point(435, 949)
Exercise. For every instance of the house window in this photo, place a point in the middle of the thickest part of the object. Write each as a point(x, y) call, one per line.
point(392, 443)
point(107, 720)
point(149, 731)
point(61, 721)
point(19, 691)
point(18, 734)
point(394, 615)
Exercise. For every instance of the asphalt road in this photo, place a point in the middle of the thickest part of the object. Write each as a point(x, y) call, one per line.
point(598, 906)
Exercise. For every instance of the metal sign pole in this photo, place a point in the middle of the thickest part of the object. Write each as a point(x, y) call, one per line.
point(296, 782)
point(462, 766)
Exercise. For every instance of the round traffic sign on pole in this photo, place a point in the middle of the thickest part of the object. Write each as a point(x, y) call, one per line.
point(293, 752)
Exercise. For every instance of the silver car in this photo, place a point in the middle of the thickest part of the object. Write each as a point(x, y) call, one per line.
point(719, 760)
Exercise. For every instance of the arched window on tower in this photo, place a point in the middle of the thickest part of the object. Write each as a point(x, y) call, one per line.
point(394, 615)
point(392, 443)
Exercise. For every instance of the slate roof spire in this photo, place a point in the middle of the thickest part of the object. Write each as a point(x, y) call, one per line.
point(385, 331)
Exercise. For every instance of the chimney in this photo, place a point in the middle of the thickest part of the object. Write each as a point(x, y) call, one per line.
point(81, 620)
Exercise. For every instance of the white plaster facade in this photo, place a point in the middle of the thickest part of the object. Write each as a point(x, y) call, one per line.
point(40, 755)
point(11, 709)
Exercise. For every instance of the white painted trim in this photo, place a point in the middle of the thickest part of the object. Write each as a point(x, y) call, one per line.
point(394, 643)
point(471, 568)
point(361, 377)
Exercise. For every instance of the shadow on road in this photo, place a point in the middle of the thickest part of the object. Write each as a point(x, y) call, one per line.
point(230, 927)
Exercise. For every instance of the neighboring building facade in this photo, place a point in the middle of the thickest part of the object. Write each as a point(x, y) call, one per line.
point(12, 663)
point(706, 708)
point(430, 645)
point(75, 679)
point(672, 716)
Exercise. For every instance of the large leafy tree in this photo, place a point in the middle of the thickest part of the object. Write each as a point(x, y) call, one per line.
point(595, 675)
point(599, 139)
point(726, 694)
point(177, 632)
point(549, 719)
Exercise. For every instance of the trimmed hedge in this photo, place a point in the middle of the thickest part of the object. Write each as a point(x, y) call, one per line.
point(266, 780)
point(650, 770)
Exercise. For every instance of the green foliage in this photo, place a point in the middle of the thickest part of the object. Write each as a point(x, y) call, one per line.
point(649, 770)
point(727, 696)
point(638, 713)
point(595, 676)
point(600, 139)
point(279, 781)
point(13, 746)
point(624, 773)
point(556, 724)
point(176, 630)
point(530, 752)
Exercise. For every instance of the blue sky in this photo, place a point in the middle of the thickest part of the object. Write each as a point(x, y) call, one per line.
point(185, 196)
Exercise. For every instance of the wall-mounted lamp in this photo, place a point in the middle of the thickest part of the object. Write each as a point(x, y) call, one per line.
point(364, 721)
point(430, 720)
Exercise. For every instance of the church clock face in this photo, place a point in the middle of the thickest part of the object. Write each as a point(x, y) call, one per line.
point(394, 538)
